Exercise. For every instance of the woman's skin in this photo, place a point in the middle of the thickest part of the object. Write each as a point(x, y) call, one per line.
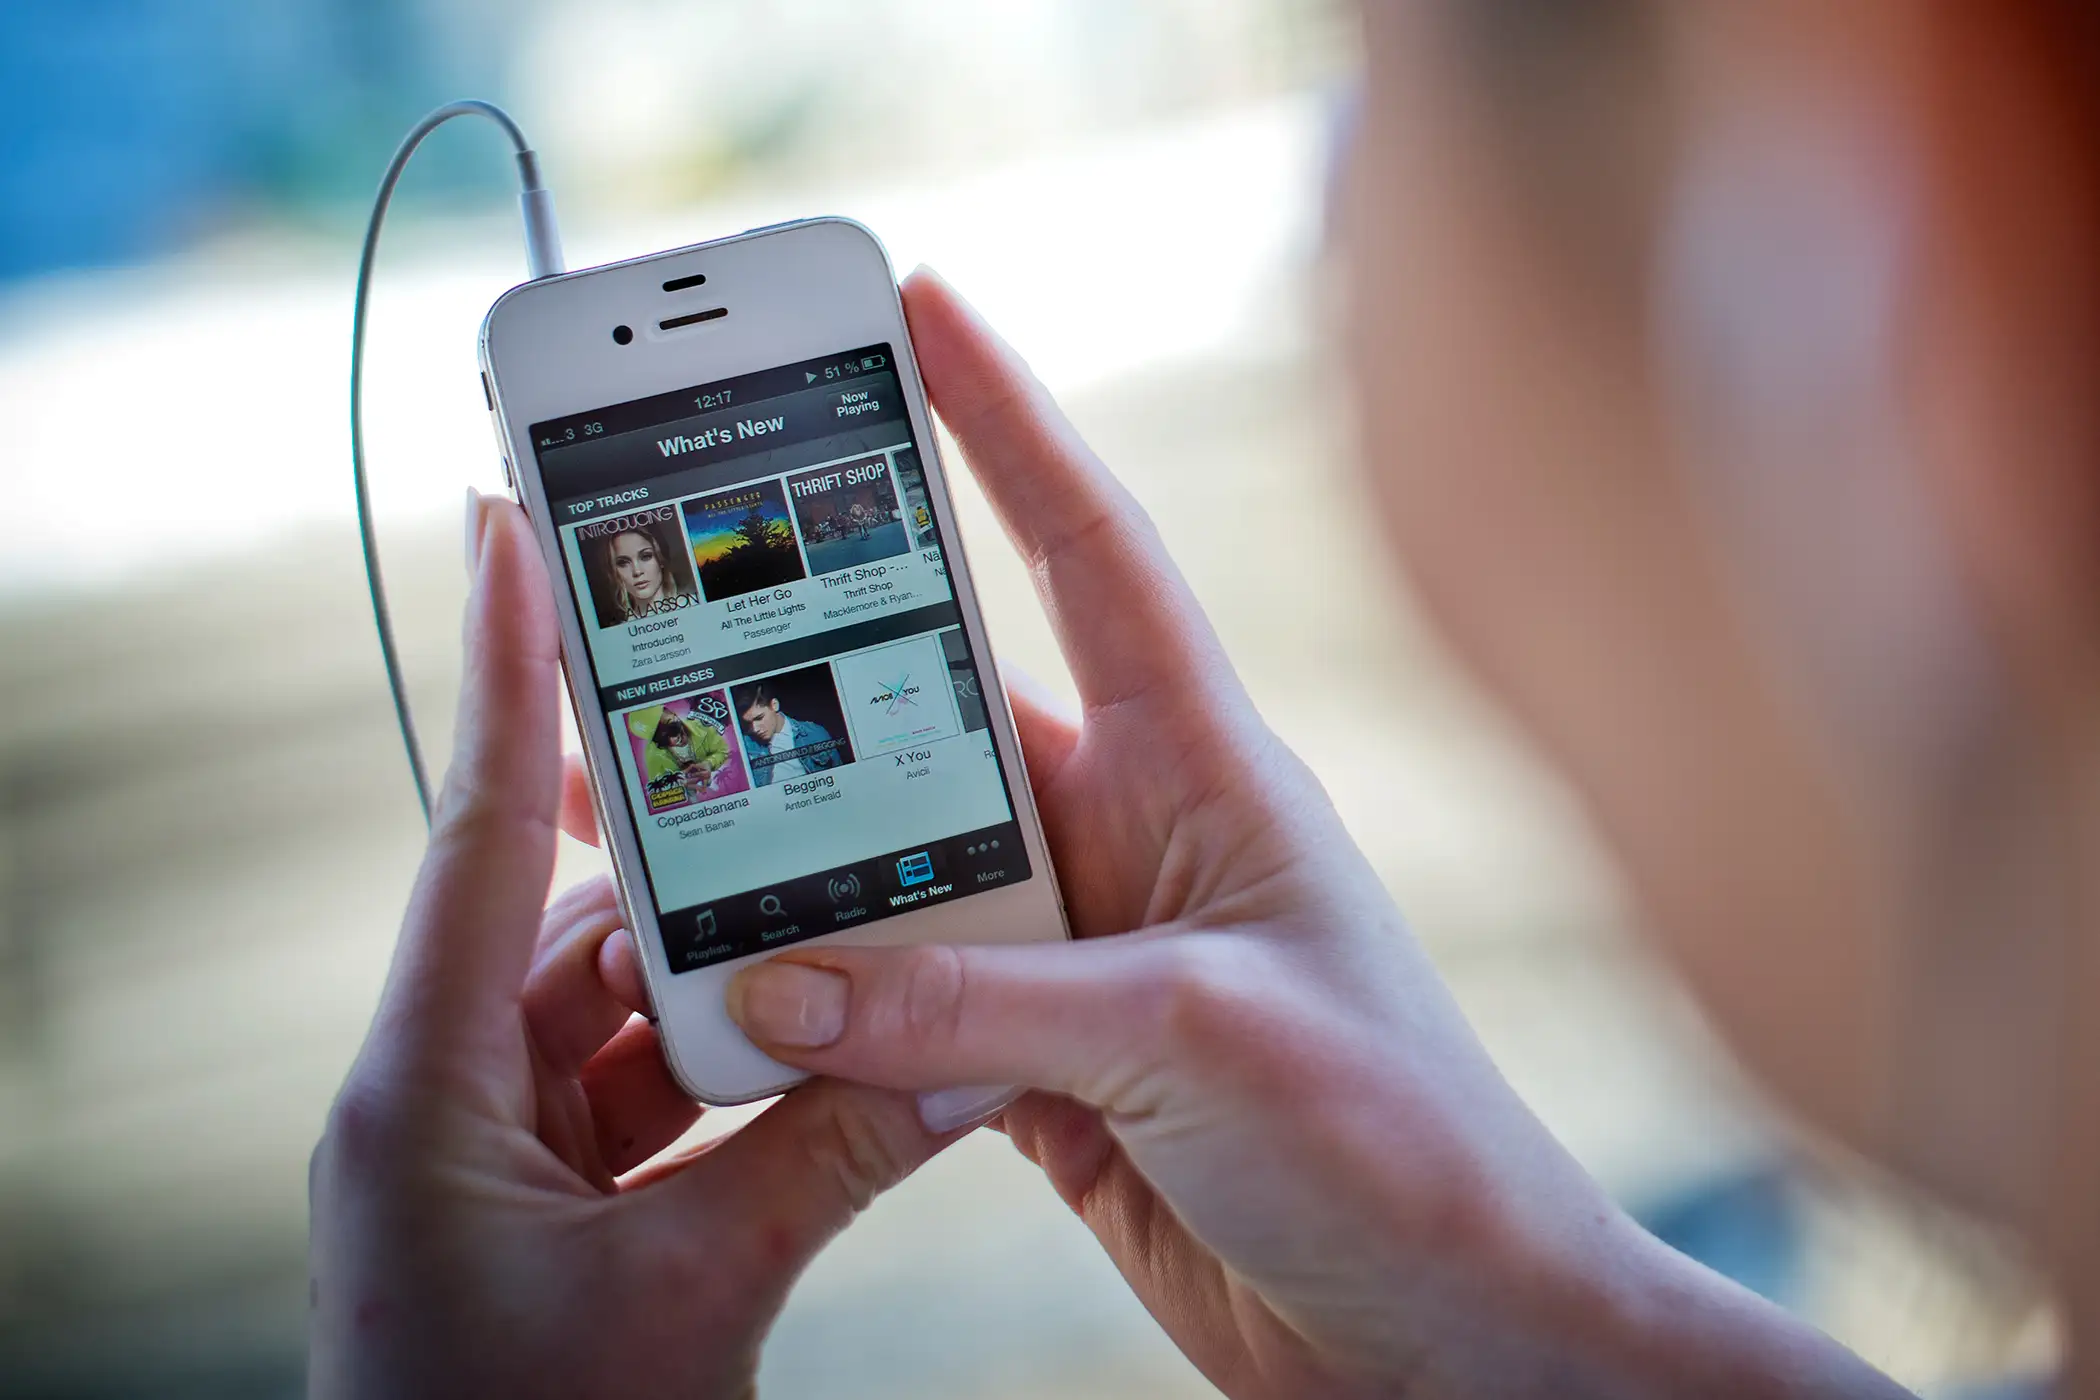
point(1264, 1102)
point(471, 1234)
point(640, 572)
point(1726, 392)
point(1729, 396)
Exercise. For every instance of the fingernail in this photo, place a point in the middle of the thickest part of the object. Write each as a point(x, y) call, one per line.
point(789, 1004)
point(477, 521)
point(944, 1110)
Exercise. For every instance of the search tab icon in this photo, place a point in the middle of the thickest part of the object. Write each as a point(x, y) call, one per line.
point(770, 907)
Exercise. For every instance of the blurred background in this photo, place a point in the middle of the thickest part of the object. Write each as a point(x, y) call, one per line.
point(208, 829)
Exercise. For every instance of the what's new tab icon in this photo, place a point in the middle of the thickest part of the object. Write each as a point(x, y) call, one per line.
point(915, 870)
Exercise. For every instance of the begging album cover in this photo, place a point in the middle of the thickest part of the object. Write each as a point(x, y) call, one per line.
point(791, 725)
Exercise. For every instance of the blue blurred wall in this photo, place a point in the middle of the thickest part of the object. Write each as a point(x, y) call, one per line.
point(130, 126)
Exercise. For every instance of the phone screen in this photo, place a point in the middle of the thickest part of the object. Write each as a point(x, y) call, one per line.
point(779, 656)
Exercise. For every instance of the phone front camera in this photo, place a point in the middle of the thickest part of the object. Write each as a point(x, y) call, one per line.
point(623, 335)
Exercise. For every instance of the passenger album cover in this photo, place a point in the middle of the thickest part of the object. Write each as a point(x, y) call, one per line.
point(741, 540)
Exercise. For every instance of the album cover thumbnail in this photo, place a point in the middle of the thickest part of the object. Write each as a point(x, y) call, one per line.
point(791, 725)
point(741, 540)
point(897, 696)
point(686, 752)
point(911, 490)
point(848, 515)
point(962, 678)
point(636, 564)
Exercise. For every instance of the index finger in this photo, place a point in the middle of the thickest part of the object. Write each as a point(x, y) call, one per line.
point(1125, 618)
point(467, 941)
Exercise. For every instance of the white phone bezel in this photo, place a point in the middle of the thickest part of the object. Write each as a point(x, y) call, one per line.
point(794, 292)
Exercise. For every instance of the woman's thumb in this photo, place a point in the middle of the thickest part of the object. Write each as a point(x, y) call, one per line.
point(1072, 1018)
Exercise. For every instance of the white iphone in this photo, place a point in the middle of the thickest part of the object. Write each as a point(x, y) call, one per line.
point(779, 671)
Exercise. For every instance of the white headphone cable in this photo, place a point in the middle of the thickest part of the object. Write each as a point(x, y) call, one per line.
point(542, 259)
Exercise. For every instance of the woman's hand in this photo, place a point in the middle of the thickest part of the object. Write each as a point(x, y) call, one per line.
point(1258, 1093)
point(480, 1225)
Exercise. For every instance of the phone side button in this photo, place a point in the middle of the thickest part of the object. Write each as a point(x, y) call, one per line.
point(488, 395)
point(510, 478)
